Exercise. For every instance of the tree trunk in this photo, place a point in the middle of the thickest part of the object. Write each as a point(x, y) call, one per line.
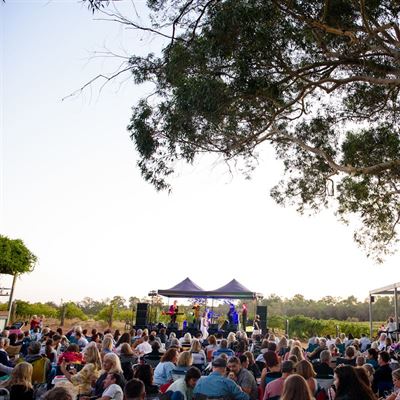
point(10, 300)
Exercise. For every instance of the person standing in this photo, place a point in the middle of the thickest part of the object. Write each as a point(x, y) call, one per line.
point(204, 325)
point(244, 316)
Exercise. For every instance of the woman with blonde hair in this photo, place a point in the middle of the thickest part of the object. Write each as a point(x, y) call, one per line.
point(296, 388)
point(107, 345)
point(20, 382)
point(199, 357)
point(185, 361)
point(306, 370)
point(231, 340)
point(396, 383)
point(111, 364)
point(296, 351)
point(283, 347)
point(88, 374)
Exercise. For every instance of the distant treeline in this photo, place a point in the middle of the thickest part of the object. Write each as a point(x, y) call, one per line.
point(119, 308)
point(348, 309)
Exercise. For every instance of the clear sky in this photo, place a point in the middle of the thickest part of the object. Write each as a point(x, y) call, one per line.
point(71, 190)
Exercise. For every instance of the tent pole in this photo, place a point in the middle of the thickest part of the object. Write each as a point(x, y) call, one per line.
point(370, 316)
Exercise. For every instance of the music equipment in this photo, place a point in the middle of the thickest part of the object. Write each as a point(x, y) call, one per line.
point(262, 312)
point(171, 313)
point(142, 312)
point(173, 326)
point(224, 326)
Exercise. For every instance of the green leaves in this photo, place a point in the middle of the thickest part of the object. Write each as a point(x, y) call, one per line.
point(317, 80)
point(15, 257)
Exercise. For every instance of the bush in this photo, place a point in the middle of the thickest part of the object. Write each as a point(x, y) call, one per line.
point(304, 327)
point(25, 309)
point(73, 311)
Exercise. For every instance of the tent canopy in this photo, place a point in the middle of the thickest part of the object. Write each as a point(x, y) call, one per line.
point(188, 289)
point(233, 290)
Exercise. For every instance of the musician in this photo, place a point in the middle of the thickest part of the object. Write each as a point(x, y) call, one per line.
point(244, 316)
point(257, 322)
point(196, 315)
point(204, 323)
point(173, 311)
point(231, 313)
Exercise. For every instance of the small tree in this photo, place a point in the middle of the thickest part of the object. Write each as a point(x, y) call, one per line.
point(15, 259)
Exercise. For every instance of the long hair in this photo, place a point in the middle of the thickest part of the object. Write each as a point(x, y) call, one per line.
point(350, 385)
point(185, 359)
point(305, 369)
point(169, 355)
point(92, 356)
point(298, 352)
point(107, 343)
point(296, 388)
point(124, 338)
point(116, 363)
point(22, 375)
point(145, 374)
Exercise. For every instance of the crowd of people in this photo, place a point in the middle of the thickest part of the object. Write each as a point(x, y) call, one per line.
point(39, 363)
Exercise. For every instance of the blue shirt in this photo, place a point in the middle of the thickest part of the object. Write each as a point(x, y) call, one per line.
point(163, 373)
point(217, 385)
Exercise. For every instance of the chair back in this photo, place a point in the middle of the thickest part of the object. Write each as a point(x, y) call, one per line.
point(177, 374)
point(4, 394)
point(325, 383)
point(39, 371)
point(12, 351)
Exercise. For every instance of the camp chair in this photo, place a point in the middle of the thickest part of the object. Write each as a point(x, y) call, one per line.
point(311, 347)
point(341, 347)
point(12, 351)
point(4, 394)
point(39, 373)
point(325, 382)
point(177, 374)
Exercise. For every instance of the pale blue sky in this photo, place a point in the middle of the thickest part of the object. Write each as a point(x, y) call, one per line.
point(70, 188)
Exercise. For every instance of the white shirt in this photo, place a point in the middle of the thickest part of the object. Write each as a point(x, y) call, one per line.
point(144, 348)
point(114, 392)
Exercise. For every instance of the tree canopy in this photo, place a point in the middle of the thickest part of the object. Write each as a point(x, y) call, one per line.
point(317, 80)
point(15, 257)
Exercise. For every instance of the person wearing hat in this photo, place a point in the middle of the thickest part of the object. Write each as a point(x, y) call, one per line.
point(275, 388)
point(218, 385)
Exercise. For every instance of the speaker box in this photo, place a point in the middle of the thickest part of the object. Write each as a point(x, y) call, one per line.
point(142, 311)
point(225, 325)
point(262, 312)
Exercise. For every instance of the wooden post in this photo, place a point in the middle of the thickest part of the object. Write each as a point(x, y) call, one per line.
point(13, 311)
point(111, 317)
point(10, 300)
point(370, 316)
point(62, 315)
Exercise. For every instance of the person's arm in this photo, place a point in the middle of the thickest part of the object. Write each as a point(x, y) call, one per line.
point(236, 392)
point(263, 377)
point(247, 383)
point(67, 374)
point(6, 369)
